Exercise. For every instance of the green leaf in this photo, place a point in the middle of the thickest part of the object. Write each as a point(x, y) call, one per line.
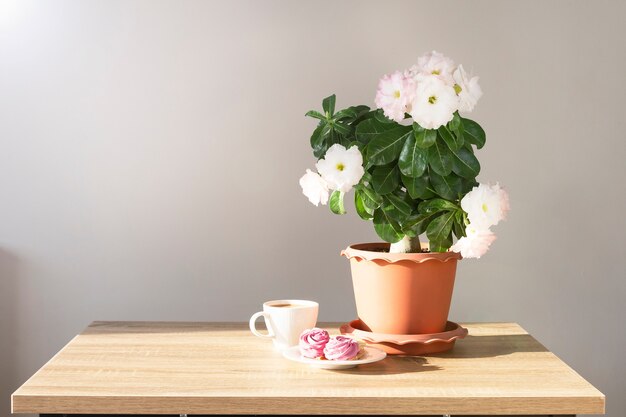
point(455, 123)
point(413, 159)
point(371, 200)
point(440, 229)
point(440, 159)
point(448, 186)
point(473, 132)
point(317, 138)
point(342, 129)
point(465, 164)
point(385, 179)
point(336, 202)
point(437, 204)
point(351, 113)
point(450, 139)
point(361, 209)
point(417, 223)
point(399, 204)
point(458, 227)
point(387, 228)
point(328, 104)
point(386, 147)
point(370, 128)
point(424, 138)
point(380, 116)
point(315, 114)
point(416, 187)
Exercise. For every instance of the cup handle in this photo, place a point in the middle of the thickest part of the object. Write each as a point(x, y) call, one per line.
point(253, 319)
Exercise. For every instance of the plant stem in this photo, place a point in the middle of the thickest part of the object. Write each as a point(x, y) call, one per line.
point(406, 245)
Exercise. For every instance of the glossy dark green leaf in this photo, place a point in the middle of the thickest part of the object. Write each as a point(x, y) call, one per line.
point(317, 138)
point(416, 187)
point(380, 116)
point(455, 123)
point(385, 147)
point(446, 186)
point(424, 138)
point(413, 159)
point(437, 204)
point(351, 113)
point(417, 223)
point(451, 140)
point(328, 104)
point(440, 158)
point(362, 210)
point(385, 179)
point(387, 228)
point(315, 114)
point(473, 133)
point(336, 202)
point(371, 200)
point(439, 231)
point(399, 204)
point(458, 227)
point(465, 164)
point(342, 129)
point(370, 128)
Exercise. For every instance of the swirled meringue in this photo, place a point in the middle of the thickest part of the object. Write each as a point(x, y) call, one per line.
point(312, 342)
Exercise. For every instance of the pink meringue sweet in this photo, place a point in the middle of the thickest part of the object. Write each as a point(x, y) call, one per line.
point(312, 342)
point(341, 348)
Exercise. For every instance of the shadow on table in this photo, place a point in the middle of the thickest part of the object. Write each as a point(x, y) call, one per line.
point(492, 346)
point(393, 365)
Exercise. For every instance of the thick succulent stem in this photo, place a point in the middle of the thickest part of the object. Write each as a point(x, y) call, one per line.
point(406, 245)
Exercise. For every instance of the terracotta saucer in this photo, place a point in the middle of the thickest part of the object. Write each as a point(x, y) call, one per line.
point(407, 344)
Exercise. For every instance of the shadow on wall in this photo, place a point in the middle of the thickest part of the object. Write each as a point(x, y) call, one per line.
point(8, 329)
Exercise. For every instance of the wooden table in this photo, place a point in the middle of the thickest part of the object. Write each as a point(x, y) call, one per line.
point(220, 368)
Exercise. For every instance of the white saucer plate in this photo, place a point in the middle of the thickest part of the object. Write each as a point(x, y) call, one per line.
point(371, 355)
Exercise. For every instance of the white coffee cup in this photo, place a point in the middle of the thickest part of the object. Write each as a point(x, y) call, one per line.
point(285, 321)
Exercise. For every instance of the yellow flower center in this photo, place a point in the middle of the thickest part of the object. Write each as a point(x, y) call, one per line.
point(484, 207)
point(340, 166)
point(396, 94)
point(436, 72)
point(432, 99)
point(457, 89)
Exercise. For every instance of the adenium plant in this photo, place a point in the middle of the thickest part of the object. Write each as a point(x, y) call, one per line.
point(411, 161)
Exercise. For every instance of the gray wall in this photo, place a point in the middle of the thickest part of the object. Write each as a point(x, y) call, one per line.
point(150, 155)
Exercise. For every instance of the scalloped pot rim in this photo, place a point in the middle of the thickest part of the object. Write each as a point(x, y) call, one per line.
point(371, 252)
point(453, 332)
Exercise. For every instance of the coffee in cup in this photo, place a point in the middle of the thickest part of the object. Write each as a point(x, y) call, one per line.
point(285, 321)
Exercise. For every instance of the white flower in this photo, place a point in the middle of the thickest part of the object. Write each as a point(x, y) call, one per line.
point(314, 187)
point(467, 88)
point(342, 169)
point(435, 102)
point(486, 205)
point(434, 63)
point(476, 242)
point(394, 95)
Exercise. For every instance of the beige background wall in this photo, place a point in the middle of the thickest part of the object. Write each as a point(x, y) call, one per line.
point(150, 155)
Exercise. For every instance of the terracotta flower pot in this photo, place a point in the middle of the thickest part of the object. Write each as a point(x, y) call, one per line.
point(401, 293)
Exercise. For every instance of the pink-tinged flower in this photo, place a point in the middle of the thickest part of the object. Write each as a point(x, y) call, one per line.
point(467, 89)
point(341, 168)
point(394, 95)
point(312, 342)
point(475, 244)
point(314, 187)
point(486, 205)
point(434, 103)
point(434, 63)
point(341, 348)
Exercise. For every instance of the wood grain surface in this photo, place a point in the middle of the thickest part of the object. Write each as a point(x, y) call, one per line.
point(221, 368)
